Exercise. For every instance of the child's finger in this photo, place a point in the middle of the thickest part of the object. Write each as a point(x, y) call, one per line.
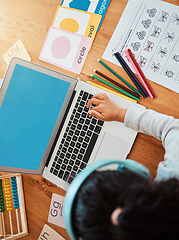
point(101, 96)
point(93, 101)
point(95, 114)
point(99, 108)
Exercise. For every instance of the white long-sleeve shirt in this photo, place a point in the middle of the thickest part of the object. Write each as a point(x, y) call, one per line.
point(162, 127)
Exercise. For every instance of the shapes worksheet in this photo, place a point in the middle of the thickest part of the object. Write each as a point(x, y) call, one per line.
point(151, 30)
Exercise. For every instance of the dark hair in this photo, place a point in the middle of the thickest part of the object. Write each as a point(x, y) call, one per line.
point(149, 211)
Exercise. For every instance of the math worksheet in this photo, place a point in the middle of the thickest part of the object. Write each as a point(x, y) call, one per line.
point(151, 30)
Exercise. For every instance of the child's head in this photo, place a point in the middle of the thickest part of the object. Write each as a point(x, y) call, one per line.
point(148, 211)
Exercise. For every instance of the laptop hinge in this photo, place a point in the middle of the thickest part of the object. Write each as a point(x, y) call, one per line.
point(60, 128)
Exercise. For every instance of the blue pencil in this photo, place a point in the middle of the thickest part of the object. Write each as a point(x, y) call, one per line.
point(131, 74)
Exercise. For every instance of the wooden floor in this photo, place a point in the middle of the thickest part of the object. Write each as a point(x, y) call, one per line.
point(30, 21)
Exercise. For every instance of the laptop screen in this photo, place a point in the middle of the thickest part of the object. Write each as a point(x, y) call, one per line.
point(28, 114)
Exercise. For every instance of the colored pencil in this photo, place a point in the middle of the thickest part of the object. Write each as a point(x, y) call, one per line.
point(118, 76)
point(117, 84)
point(108, 90)
point(139, 72)
point(131, 74)
point(111, 85)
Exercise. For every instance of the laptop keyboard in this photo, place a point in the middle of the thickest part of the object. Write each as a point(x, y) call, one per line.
point(78, 141)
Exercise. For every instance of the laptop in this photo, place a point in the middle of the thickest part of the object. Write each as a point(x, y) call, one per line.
point(45, 127)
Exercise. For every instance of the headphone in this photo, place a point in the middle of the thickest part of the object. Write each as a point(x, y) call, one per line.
point(123, 166)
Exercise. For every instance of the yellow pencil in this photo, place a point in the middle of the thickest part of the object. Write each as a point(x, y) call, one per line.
point(108, 90)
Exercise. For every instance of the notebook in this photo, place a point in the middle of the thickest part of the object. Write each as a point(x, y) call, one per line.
point(45, 127)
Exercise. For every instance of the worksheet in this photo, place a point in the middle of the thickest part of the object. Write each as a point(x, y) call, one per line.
point(151, 30)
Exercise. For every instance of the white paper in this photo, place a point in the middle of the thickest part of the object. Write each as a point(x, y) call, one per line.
point(56, 210)
point(49, 234)
point(151, 30)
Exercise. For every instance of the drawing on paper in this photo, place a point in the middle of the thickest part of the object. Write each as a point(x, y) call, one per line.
point(155, 66)
point(176, 57)
point(155, 25)
point(141, 35)
point(169, 36)
point(163, 17)
point(169, 73)
point(146, 23)
point(149, 47)
point(142, 61)
point(176, 19)
point(156, 32)
point(162, 51)
point(135, 46)
point(152, 12)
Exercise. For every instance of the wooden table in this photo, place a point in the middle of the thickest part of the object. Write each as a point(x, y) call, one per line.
point(30, 21)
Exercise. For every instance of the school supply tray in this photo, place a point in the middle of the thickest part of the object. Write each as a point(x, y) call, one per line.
point(13, 223)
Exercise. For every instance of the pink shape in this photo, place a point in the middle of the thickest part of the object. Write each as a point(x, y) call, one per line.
point(60, 47)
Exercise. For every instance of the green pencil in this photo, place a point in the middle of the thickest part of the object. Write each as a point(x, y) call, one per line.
point(118, 76)
point(118, 89)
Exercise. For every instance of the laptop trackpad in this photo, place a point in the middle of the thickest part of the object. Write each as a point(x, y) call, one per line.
point(112, 147)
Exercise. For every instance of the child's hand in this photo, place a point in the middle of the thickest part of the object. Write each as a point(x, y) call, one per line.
point(105, 109)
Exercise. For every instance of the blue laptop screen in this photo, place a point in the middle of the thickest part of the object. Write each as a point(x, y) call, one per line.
point(28, 115)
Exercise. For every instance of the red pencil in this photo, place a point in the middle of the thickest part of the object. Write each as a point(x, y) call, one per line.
point(141, 73)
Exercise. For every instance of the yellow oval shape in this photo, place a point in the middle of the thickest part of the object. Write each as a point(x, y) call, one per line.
point(70, 25)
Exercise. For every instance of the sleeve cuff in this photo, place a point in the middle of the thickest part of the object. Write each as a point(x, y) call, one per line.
point(132, 117)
